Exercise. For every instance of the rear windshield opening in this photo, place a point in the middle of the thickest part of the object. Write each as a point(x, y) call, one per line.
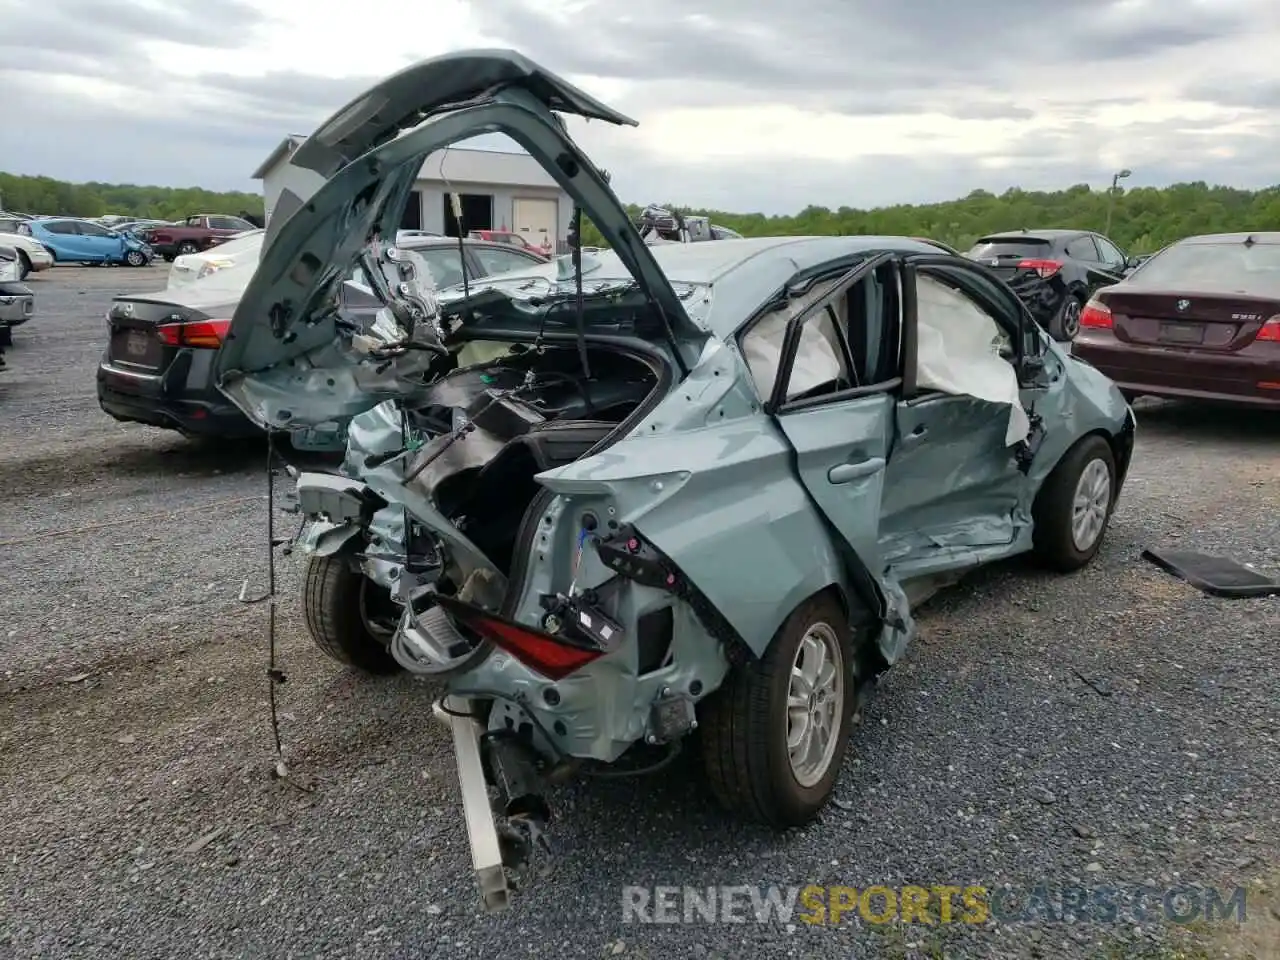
point(1231, 267)
point(1022, 247)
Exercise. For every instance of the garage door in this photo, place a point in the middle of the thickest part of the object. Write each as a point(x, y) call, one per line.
point(535, 220)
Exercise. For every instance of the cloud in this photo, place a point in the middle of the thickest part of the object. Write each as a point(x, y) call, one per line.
point(743, 105)
point(91, 28)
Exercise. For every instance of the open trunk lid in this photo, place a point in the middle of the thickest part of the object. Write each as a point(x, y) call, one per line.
point(285, 362)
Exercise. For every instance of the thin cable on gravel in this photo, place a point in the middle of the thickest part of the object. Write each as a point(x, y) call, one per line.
point(1110, 728)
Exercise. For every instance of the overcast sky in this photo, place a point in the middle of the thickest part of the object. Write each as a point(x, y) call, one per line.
point(744, 105)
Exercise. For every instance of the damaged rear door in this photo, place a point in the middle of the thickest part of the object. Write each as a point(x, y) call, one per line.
point(836, 413)
point(953, 487)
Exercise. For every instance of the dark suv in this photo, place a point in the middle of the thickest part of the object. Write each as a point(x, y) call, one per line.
point(1053, 271)
point(158, 365)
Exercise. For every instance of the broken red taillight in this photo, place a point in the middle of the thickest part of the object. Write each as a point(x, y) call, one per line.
point(1045, 268)
point(196, 333)
point(554, 657)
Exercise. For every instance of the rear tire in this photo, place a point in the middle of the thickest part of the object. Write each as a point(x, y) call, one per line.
point(1073, 508)
point(6, 336)
point(335, 599)
point(748, 723)
point(187, 247)
point(24, 265)
point(1065, 325)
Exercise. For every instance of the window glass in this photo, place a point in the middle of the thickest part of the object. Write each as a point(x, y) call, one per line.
point(495, 260)
point(64, 227)
point(1110, 252)
point(444, 264)
point(1014, 248)
point(1082, 248)
point(1215, 268)
point(93, 230)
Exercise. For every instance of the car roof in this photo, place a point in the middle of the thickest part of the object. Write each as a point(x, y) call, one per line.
point(742, 273)
point(1261, 236)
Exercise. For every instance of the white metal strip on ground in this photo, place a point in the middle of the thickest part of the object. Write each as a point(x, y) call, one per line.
point(482, 833)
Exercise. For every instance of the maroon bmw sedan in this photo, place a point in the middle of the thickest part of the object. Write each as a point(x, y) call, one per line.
point(1199, 320)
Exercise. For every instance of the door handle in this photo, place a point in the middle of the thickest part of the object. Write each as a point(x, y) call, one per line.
point(845, 472)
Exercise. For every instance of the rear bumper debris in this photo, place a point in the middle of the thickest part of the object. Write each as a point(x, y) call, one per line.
point(482, 831)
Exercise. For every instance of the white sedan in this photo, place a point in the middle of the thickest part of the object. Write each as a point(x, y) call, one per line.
point(32, 256)
point(191, 267)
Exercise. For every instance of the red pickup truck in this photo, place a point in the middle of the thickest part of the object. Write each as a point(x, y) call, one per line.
point(194, 234)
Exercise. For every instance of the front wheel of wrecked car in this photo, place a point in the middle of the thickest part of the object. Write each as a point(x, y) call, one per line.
point(774, 735)
point(350, 618)
point(1074, 506)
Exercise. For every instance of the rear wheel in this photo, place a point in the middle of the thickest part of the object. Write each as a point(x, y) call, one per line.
point(24, 265)
point(6, 336)
point(350, 618)
point(1066, 323)
point(774, 735)
point(1074, 505)
point(187, 247)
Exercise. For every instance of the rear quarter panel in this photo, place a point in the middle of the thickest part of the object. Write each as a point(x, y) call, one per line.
point(708, 479)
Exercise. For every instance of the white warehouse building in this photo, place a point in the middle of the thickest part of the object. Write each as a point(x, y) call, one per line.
point(499, 191)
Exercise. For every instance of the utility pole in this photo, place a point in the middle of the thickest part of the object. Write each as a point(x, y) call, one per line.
point(1111, 196)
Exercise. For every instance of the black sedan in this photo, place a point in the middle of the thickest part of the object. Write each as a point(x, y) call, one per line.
point(1054, 272)
point(157, 368)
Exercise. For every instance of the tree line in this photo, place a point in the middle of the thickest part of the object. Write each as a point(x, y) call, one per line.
point(1142, 220)
point(46, 195)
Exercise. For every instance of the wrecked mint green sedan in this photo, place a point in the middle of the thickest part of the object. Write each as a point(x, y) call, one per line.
point(623, 496)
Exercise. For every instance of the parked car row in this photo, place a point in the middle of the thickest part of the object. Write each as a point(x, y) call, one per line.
point(158, 370)
point(17, 302)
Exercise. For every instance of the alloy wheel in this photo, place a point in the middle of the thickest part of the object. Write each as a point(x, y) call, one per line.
point(1071, 318)
point(1091, 504)
point(815, 704)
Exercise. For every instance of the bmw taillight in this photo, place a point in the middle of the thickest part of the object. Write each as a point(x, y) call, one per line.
point(554, 657)
point(1270, 332)
point(207, 334)
point(1045, 268)
point(1096, 315)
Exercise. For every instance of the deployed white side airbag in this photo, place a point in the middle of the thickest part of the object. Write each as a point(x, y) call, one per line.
point(959, 352)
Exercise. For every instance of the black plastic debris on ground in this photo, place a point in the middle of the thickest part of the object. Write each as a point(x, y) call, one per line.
point(1214, 575)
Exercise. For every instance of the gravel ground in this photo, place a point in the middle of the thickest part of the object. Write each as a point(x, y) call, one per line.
point(1111, 728)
